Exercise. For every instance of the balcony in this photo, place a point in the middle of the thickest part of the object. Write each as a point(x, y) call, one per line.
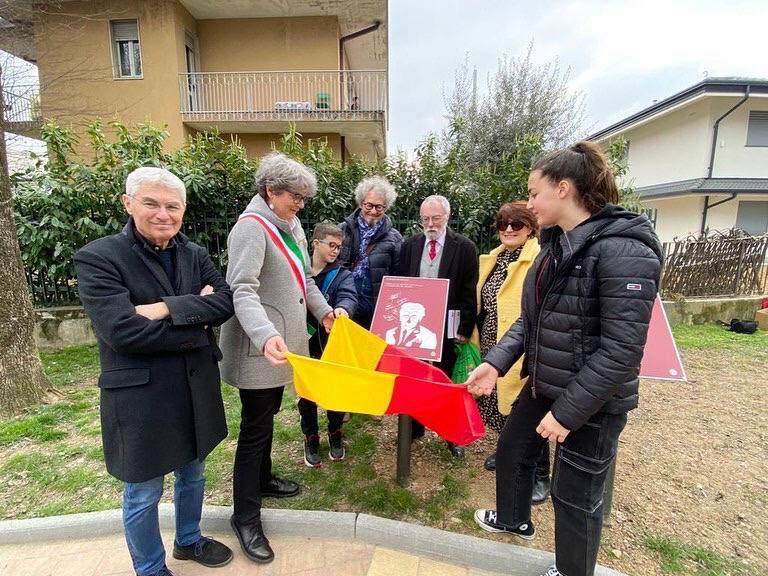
point(22, 109)
point(279, 96)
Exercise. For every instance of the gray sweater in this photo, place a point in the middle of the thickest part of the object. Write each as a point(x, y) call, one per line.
point(268, 301)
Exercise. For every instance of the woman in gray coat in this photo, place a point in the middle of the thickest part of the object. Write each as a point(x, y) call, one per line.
point(271, 281)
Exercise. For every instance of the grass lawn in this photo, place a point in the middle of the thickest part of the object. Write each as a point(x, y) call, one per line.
point(52, 461)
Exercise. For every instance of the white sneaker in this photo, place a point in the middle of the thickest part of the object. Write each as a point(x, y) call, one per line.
point(552, 571)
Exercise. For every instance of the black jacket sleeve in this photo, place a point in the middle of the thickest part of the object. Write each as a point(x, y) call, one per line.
point(509, 349)
point(470, 271)
point(108, 304)
point(211, 310)
point(624, 318)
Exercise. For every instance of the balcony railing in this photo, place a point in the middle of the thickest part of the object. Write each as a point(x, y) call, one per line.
point(22, 104)
point(287, 95)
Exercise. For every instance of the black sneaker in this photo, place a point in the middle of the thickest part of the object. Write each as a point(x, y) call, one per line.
point(312, 450)
point(486, 519)
point(206, 551)
point(336, 446)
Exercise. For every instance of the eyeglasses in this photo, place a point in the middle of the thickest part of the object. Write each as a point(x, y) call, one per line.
point(427, 219)
point(331, 245)
point(298, 198)
point(516, 225)
point(373, 207)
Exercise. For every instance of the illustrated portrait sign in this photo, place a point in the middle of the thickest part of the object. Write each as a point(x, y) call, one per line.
point(410, 315)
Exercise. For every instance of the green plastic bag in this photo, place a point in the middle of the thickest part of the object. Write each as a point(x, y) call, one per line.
point(467, 359)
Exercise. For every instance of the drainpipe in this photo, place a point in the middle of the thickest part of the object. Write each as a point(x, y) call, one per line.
point(710, 168)
point(342, 40)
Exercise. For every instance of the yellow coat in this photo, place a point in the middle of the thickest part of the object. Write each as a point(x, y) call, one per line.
point(508, 304)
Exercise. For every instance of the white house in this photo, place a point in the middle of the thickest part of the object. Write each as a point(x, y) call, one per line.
point(699, 159)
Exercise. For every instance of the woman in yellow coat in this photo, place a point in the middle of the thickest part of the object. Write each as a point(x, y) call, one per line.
point(499, 291)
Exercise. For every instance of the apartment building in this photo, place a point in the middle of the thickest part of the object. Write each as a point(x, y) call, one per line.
point(244, 68)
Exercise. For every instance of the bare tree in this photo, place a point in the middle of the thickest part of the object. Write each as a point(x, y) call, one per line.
point(521, 98)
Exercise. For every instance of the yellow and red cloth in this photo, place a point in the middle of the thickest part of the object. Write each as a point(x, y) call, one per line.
point(360, 372)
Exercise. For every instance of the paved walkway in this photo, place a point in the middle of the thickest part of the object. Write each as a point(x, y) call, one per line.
point(108, 556)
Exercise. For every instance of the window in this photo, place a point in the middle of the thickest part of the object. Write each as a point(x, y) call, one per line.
point(757, 130)
point(126, 54)
point(752, 217)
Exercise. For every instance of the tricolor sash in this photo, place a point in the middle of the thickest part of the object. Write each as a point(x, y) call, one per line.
point(296, 266)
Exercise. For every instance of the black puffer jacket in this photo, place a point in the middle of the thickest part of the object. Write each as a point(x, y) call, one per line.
point(587, 301)
point(383, 249)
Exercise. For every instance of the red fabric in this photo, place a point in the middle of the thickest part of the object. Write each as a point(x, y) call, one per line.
point(428, 395)
point(432, 249)
point(448, 409)
point(764, 303)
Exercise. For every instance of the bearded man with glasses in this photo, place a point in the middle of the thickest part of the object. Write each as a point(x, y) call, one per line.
point(439, 252)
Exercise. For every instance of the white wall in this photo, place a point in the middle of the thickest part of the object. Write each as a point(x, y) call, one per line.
point(671, 148)
point(677, 217)
point(680, 216)
point(732, 158)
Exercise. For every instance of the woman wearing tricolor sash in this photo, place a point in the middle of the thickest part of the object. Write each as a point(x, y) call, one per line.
point(271, 280)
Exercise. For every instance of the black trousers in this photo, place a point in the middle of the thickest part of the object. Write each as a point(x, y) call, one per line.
point(578, 483)
point(308, 412)
point(253, 458)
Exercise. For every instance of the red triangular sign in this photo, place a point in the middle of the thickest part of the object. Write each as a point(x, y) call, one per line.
point(661, 359)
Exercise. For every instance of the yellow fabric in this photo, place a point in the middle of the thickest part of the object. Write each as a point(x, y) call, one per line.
point(342, 388)
point(508, 305)
point(352, 345)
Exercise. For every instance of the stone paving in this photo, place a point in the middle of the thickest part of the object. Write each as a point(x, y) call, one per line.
point(301, 556)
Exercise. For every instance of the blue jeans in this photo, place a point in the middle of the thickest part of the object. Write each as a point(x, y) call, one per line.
point(141, 522)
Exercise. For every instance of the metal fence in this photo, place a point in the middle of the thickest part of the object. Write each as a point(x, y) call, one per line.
point(727, 263)
point(284, 95)
point(22, 103)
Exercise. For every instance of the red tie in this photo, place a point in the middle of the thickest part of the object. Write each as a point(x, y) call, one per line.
point(432, 249)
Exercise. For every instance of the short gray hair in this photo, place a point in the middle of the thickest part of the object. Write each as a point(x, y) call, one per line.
point(156, 176)
point(380, 186)
point(280, 172)
point(442, 200)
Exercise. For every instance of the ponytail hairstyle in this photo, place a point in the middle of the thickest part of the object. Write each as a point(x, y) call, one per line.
point(586, 165)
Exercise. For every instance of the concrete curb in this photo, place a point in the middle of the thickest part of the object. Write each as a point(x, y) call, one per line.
point(411, 538)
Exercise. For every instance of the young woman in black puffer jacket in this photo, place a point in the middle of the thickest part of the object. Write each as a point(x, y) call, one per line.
point(587, 301)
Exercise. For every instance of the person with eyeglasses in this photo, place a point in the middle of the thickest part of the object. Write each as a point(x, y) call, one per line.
point(499, 293)
point(439, 252)
point(338, 287)
point(269, 272)
point(371, 245)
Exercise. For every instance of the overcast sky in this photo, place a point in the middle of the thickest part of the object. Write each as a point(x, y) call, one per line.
point(621, 55)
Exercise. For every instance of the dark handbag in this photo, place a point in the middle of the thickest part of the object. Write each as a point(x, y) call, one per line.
point(743, 326)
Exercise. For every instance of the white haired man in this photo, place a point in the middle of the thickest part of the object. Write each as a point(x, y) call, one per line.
point(410, 333)
point(153, 297)
point(439, 252)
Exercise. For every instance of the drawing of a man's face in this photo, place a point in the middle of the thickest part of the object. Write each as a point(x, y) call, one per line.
point(411, 314)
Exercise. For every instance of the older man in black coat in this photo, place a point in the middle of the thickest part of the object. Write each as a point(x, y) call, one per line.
point(153, 297)
point(439, 252)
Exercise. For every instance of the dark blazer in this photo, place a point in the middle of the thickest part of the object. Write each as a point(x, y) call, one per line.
point(460, 264)
point(161, 404)
point(587, 302)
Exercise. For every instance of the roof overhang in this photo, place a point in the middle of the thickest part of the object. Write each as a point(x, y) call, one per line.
point(708, 88)
point(704, 186)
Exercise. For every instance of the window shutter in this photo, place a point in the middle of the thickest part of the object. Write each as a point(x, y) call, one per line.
point(757, 131)
point(125, 30)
